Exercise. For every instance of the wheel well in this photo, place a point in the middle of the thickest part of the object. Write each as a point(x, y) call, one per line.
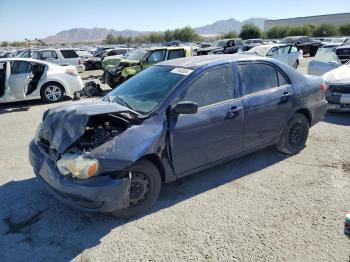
point(306, 113)
point(53, 82)
point(157, 162)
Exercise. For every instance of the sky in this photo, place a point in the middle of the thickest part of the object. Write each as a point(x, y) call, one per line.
point(20, 19)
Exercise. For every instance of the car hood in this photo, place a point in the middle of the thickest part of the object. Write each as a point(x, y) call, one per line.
point(63, 125)
point(340, 75)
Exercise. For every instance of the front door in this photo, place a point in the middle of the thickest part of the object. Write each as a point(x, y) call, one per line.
point(216, 131)
point(17, 82)
point(267, 102)
point(154, 57)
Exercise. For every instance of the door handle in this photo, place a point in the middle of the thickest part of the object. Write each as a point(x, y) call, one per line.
point(233, 112)
point(285, 97)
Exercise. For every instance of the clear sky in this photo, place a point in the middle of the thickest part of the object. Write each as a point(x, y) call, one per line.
point(21, 19)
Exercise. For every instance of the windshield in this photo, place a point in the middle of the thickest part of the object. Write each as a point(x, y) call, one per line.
point(260, 50)
point(137, 55)
point(144, 91)
point(219, 43)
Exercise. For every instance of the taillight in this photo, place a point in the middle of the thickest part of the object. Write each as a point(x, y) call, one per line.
point(324, 87)
point(71, 71)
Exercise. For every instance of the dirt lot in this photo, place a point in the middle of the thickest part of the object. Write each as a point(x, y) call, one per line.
point(262, 207)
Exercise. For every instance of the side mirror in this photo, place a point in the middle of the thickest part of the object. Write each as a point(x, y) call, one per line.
point(185, 108)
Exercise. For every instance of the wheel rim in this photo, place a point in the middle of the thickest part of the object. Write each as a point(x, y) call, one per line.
point(53, 93)
point(139, 188)
point(296, 134)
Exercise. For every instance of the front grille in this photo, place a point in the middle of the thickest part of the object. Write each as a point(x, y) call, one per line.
point(345, 89)
point(343, 54)
point(48, 149)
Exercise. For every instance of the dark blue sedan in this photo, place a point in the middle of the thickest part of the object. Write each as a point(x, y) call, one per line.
point(171, 120)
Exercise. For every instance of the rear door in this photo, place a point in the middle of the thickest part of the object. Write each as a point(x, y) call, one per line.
point(280, 53)
point(21, 74)
point(268, 101)
point(175, 53)
point(215, 132)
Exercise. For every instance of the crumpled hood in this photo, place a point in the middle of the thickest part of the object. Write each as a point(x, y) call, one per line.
point(62, 126)
point(340, 75)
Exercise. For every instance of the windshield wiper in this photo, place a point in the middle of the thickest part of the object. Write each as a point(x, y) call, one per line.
point(123, 102)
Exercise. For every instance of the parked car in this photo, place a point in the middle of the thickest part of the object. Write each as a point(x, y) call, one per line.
point(250, 43)
point(57, 56)
point(25, 78)
point(7, 55)
point(84, 55)
point(117, 69)
point(338, 88)
point(304, 43)
point(287, 54)
point(343, 52)
point(171, 120)
point(95, 62)
point(326, 60)
point(223, 46)
point(334, 42)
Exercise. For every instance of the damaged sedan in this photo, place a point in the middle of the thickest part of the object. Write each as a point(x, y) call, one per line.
point(173, 119)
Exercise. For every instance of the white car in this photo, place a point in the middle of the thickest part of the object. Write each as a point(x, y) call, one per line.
point(57, 56)
point(286, 53)
point(24, 79)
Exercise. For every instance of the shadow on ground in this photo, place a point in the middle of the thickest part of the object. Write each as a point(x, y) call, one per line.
point(337, 118)
point(33, 225)
point(22, 106)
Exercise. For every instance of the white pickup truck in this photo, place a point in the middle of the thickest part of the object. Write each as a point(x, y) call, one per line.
point(57, 56)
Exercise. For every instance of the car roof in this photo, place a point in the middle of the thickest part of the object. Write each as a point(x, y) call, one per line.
point(2, 60)
point(194, 62)
point(167, 48)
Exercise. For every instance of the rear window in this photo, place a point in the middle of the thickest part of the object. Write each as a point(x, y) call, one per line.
point(173, 54)
point(69, 53)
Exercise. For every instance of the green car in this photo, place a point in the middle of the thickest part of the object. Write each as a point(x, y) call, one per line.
point(117, 69)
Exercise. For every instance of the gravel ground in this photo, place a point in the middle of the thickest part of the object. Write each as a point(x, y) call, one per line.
point(262, 207)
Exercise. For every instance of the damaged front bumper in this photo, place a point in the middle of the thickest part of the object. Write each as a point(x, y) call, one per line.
point(99, 194)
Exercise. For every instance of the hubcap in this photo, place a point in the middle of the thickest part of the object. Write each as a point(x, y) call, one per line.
point(53, 93)
point(296, 134)
point(139, 188)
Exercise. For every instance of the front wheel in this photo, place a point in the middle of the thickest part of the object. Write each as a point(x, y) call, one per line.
point(52, 93)
point(145, 186)
point(295, 135)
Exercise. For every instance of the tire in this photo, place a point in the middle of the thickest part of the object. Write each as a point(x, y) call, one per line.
point(52, 92)
point(294, 136)
point(140, 203)
point(296, 64)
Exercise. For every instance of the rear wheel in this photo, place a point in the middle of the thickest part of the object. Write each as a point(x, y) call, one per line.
point(295, 135)
point(52, 93)
point(145, 186)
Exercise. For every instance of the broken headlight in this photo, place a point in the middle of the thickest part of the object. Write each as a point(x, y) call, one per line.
point(79, 166)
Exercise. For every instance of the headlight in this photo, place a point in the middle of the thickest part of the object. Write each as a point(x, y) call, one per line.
point(79, 166)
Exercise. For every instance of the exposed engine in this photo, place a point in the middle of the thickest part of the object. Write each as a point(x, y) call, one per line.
point(99, 131)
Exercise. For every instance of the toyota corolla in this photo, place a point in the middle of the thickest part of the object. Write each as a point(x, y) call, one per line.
point(174, 119)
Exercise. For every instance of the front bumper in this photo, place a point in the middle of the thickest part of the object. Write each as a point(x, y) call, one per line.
point(97, 194)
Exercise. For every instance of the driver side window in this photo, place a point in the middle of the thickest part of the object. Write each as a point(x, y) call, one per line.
point(20, 67)
point(213, 86)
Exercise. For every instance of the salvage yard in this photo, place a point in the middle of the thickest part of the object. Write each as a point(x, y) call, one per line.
point(263, 207)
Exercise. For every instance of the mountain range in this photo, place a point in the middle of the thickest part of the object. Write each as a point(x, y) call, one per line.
point(98, 34)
